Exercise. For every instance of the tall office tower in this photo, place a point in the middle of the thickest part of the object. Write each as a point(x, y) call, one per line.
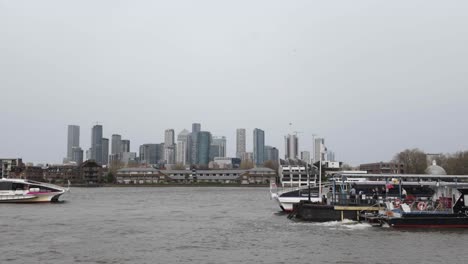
point(271, 153)
point(169, 146)
point(305, 156)
point(258, 146)
point(73, 140)
point(77, 155)
point(116, 144)
point(169, 136)
point(219, 143)
point(149, 154)
point(291, 147)
point(125, 145)
point(196, 128)
point(105, 151)
point(182, 151)
point(204, 144)
point(319, 149)
point(240, 142)
point(96, 144)
point(160, 153)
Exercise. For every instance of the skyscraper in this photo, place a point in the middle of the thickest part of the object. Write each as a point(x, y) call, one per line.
point(196, 128)
point(219, 144)
point(73, 140)
point(96, 144)
point(150, 154)
point(182, 150)
point(105, 151)
point(240, 142)
point(169, 146)
point(291, 147)
point(319, 149)
point(258, 146)
point(116, 144)
point(271, 153)
point(125, 143)
point(77, 155)
point(204, 144)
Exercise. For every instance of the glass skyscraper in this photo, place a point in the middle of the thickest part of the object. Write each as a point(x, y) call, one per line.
point(258, 146)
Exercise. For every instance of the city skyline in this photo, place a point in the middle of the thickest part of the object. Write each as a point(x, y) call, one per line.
point(357, 74)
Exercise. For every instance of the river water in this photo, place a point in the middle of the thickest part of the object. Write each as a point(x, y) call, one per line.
point(202, 225)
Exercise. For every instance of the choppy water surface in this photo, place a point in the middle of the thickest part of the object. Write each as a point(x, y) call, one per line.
point(202, 225)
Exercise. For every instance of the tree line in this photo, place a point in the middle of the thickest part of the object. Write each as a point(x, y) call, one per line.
point(415, 161)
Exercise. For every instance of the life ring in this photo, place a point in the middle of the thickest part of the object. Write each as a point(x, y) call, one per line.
point(422, 206)
point(397, 203)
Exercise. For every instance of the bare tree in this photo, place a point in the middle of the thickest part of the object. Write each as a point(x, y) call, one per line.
point(413, 160)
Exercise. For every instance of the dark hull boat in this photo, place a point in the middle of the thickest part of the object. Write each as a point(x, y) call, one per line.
point(456, 218)
point(313, 212)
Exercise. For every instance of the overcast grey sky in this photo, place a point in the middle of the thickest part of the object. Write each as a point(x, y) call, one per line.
point(372, 77)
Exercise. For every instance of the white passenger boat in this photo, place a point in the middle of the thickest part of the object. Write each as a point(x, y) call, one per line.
point(287, 197)
point(26, 191)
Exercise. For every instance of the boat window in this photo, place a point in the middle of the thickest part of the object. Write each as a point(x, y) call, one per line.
point(42, 188)
point(17, 186)
point(5, 186)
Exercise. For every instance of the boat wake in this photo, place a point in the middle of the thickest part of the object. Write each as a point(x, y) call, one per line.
point(345, 224)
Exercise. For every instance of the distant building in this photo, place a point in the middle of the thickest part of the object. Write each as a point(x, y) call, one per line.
point(271, 153)
point(11, 168)
point(218, 147)
point(291, 147)
point(331, 156)
point(204, 144)
point(196, 128)
point(247, 156)
point(258, 146)
point(240, 142)
point(150, 153)
point(214, 152)
point(225, 163)
point(91, 172)
point(73, 140)
point(183, 147)
point(141, 176)
point(305, 156)
point(33, 173)
point(105, 151)
point(169, 146)
point(116, 144)
point(293, 175)
point(170, 155)
point(62, 173)
point(383, 168)
point(125, 144)
point(320, 151)
point(96, 144)
point(128, 157)
point(77, 155)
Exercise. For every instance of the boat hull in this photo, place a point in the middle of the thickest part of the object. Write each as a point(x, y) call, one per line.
point(451, 221)
point(36, 198)
point(323, 213)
